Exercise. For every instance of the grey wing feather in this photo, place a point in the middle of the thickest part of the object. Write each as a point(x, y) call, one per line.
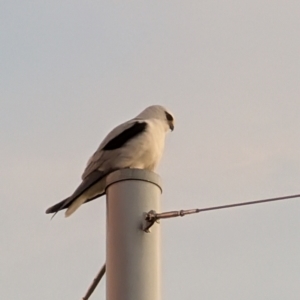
point(95, 161)
point(95, 169)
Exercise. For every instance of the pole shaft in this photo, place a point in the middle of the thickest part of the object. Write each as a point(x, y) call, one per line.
point(132, 256)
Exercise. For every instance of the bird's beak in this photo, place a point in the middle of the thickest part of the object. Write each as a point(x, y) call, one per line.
point(171, 125)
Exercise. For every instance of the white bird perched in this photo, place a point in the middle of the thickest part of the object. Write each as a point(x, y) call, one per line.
point(137, 143)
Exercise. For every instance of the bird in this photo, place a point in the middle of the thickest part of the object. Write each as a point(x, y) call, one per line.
point(137, 143)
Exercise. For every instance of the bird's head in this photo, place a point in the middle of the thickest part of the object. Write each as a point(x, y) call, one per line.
point(158, 112)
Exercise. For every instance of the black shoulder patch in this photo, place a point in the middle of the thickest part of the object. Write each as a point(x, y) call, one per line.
point(131, 132)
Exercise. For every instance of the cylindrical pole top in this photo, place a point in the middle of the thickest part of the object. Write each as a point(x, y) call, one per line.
point(133, 174)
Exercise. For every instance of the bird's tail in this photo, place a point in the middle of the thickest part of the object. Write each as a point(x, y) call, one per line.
point(57, 207)
point(71, 206)
point(75, 205)
point(91, 188)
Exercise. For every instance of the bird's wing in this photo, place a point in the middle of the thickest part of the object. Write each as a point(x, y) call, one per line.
point(103, 162)
point(116, 139)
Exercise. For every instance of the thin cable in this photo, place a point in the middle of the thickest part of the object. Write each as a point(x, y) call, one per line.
point(152, 216)
point(95, 283)
point(249, 203)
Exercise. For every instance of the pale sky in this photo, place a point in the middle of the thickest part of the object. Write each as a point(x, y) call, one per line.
point(230, 73)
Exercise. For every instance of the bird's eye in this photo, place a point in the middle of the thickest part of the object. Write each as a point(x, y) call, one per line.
point(168, 116)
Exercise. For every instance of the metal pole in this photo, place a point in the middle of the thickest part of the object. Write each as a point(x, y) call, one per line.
point(132, 256)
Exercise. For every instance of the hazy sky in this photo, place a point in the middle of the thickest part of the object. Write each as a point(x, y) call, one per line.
point(230, 73)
